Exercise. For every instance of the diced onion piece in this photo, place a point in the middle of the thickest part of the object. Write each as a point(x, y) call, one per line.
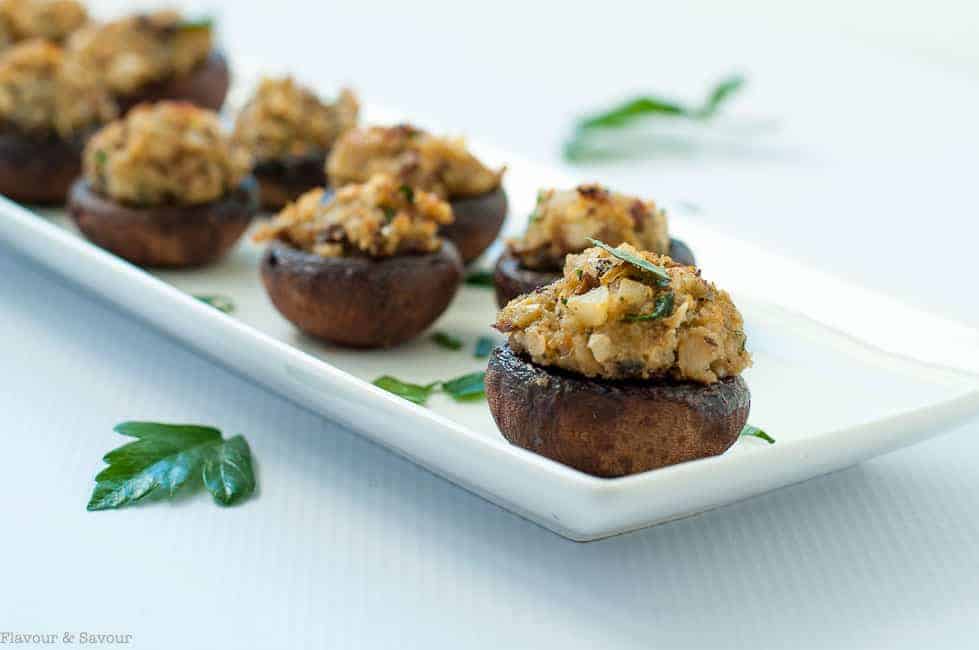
point(590, 309)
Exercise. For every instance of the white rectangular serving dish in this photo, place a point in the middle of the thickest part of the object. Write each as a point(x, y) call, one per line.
point(840, 375)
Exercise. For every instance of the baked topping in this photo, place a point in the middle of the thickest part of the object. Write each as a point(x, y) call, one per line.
point(284, 119)
point(131, 52)
point(564, 220)
point(37, 96)
point(164, 153)
point(379, 218)
point(53, 20)
point(624, 314)
point(440, 165)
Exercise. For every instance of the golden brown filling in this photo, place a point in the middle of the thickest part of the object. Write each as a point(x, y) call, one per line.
point(38, 96)
point(165, 153)
point(440, 165)
point(612, 318)
point(284, 119)
point(379, 218)
point(564, 220)
point(53, 20)
point(129, 53)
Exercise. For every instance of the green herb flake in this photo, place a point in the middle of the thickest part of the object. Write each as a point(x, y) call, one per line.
point(661, 308)
point(465, 388)
point(416, 393)
point(166, 457)
point(389, 213)
point(204, 23)
point(635, 260)
point(408, 192)
point(484, 345)
point(480, 279)
point(755, 432)
point(447, 340)
point(219, 302)
point(101, 157)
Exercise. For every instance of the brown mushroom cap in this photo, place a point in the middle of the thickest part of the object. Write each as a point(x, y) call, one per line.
point(206, 86)
point(612, 428)
point(285, 179)
point(361, 302)
point(168, 235)
point(511, 279)
point(477, 223)
point(38, 169)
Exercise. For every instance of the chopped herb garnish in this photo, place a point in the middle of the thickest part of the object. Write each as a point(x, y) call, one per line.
point(749, 430)
point(165, 457)
point(580, 273)
point(412, 392)
point(446, 340)
point(635, 260)
point(409, 193)
point(466, 387)
point(101, 157)
point(480, 279)
point(190, 25)
point(219, 302)
point(389, 213)
point(634, 110)
point(662, 307)
point(484, 345)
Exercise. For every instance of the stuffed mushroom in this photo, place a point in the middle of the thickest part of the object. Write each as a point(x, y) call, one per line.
point(289, 131)
point(45, 117)
point(443, 166)
point(152, 57)
point(52, 20)
point(362, 267)
point(164, 187)
point(628, 362)
point(564, 221)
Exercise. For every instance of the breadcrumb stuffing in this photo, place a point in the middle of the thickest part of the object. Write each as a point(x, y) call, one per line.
point(379, 218)
point(443, 166)
point(564, 220)
point(284, 118)
point(609, 318)
point(164, 153)
point(38, 96)
point(131, 52)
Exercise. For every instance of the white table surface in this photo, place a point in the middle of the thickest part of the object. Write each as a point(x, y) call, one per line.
point(871, 174)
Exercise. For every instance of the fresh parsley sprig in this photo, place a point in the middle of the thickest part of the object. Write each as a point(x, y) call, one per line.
point(630, 112)
point(166, 457)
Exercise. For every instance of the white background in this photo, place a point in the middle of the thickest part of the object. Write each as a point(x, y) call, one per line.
point(870, 173)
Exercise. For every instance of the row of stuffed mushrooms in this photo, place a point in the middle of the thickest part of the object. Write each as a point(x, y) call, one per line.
point(619, 357)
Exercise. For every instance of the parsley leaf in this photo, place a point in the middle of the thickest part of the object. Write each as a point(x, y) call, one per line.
point(165, 457)
point(412, 392)
point(662, 307)
point(484, 345)
point(480, 279)
point(635, 260)
point(634, 110)
point(408, 192)
point(228, 474)
point(219, 302)
point(447, 341)
point(194, 24)
point(753, 431)
point(465, 387)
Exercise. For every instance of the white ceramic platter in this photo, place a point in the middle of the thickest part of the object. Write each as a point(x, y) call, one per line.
point(840, 374)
